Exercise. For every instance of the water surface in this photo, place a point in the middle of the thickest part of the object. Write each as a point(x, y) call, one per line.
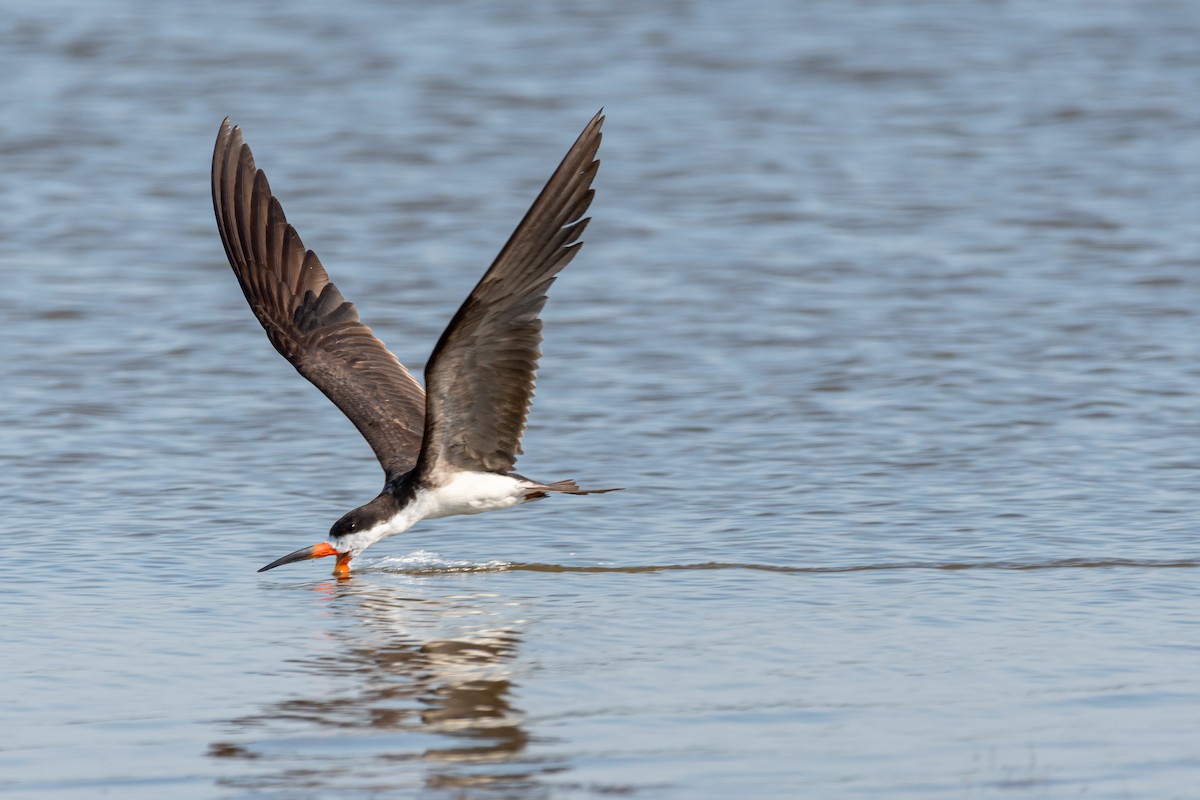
point(886, 319)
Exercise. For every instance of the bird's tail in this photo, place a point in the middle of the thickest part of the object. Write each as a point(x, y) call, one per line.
point(563, 487)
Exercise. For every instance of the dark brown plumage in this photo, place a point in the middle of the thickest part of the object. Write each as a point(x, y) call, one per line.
point(481, 373)
point(480, 377)
point(306, 317)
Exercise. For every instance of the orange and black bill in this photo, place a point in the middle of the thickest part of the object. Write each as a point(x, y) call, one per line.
point(316, 551)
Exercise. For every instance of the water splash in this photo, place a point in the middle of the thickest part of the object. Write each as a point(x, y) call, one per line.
point(421, 562)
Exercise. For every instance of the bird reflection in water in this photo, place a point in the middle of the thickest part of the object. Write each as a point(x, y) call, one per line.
point(415, 694)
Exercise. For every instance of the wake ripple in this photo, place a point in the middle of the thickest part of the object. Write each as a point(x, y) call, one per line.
point(423, 562)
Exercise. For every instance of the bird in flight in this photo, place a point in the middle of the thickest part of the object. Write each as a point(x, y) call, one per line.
point(448, 449)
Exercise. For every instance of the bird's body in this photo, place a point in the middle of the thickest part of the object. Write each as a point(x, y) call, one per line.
point(465, 493)
point(473, 493)
point(451, 451)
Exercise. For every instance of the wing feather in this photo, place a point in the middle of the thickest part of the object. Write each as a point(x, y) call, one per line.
point(481, 375)
point(305, 316)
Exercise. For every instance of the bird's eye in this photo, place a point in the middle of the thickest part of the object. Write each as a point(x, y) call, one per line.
point(352, 527)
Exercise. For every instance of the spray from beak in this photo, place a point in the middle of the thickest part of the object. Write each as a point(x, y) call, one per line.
point(341, 570)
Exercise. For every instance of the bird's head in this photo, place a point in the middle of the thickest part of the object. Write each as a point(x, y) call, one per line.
point(348, 537)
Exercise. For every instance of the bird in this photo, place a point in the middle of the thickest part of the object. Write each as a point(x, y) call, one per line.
point(447, 449)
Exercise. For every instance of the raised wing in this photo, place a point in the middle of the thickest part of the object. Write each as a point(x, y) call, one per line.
point(480, 377)
point(306, 317)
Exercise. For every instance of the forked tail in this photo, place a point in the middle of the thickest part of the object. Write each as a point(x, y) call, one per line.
point(563, 487)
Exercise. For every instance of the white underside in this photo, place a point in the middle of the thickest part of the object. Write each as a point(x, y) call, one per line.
point(465, 493)
point(473, 493)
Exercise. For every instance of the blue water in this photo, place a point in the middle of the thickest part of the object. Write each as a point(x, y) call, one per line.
point(886, 320)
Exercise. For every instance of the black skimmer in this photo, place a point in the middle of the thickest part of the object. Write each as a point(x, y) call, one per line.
point(446, 450)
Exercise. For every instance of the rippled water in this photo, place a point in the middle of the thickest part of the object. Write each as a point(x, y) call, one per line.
point(886, 319)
